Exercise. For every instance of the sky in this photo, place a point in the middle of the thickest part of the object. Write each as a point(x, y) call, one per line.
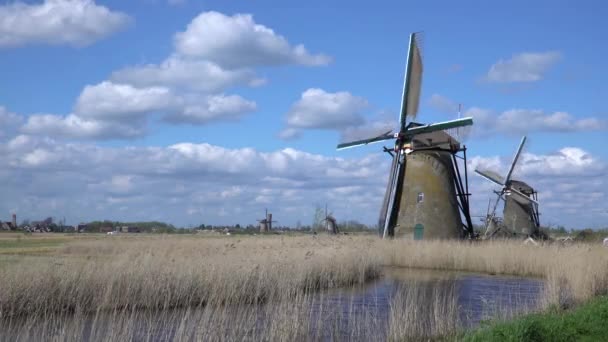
point(208, 112)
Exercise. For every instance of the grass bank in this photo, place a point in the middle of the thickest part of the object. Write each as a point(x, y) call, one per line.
point(584, 323)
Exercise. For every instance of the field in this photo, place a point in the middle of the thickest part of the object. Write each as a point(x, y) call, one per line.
point(253, 287)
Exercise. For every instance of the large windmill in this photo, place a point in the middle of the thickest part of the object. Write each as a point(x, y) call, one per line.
point(425, 197)
point(520, 213)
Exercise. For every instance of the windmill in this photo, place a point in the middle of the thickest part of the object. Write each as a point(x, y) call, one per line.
point(331, 225)
point(520, 213)
point(426, 196)
point(266, 222)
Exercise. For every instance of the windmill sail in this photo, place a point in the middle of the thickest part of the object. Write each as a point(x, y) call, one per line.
point(412, 83)
point(490, 175)
point(379, 138)
point(521, 145)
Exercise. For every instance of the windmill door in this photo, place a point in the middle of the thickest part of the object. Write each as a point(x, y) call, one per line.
point(418, 231)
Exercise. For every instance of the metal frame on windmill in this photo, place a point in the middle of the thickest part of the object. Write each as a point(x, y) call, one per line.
point(426, 197)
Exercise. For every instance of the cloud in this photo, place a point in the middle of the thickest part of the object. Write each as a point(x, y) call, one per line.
point(87, 182)
point(213, 108)
point(112, 101)
point(196, 75)
point(443, 104)
point(91, 182)
point(237, 41)
point(57, 22)
point(120, 111)
point(75, 127)
point(524, 121)
point(319, 109)
point(9, 122)
point(522, 67)
point(487, 122)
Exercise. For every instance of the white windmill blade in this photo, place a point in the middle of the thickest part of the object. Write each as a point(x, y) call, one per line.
point(490, 175)
point(521, 145)
point(412, 82)
point(520, 197)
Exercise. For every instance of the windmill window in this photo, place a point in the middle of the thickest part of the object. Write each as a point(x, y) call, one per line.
point(420, 197)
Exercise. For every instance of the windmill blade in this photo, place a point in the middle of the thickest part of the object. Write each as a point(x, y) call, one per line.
point(394, 197)
point(439, 126)
point(385, 136)
point(387, 197)
point(490, 175)
point(520, 197)
point(412, 82)
point(521, 145)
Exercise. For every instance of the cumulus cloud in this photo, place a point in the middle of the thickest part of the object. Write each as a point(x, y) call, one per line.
point(522, 67)
point(238, 41)
point(75, 127)
point(193, 183)
point(120, 111)
point(523, 121)
point(57, 22)
point(213, 108)
point(9, 122)
point(318, 109)
point(443, 104)
point(487, 122)
point(196, 75)
point(108, 101)
point(92, 182)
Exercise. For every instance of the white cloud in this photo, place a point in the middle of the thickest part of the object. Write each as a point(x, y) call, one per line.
point(90, 182)
point(120, 111)
point(522, 67)
point(317, 108)
point(8, 122)
point(75, 127)
point(237, 41)
point(93, 182)
point(523, 121)
point(443, 104)
point(57, 22)
point(111, 101)
point(197, 75)
point(213, 108)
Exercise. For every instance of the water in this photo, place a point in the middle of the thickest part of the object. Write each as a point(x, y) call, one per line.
point(403, 303)
point(470, 299)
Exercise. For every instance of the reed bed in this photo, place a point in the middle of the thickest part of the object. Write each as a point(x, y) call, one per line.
point(263, 288)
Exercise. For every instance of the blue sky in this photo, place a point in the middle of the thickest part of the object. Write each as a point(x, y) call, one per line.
point(189, 89)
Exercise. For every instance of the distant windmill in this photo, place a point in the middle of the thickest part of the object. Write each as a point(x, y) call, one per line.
point(266, 222)
point(331, 224)
point(520, 213)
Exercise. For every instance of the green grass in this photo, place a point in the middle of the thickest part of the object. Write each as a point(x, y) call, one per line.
point(30, 245)
point(588, 322)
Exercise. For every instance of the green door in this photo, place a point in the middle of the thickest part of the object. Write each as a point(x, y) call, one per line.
point(418, 231)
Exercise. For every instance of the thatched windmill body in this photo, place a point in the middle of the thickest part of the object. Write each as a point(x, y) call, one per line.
point(426, 195)
point(520, 213)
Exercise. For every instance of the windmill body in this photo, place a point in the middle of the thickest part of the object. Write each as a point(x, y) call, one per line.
point(426, 196)
point(520, 212)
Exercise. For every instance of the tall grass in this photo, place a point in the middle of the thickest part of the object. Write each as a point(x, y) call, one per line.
point(262, 288)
